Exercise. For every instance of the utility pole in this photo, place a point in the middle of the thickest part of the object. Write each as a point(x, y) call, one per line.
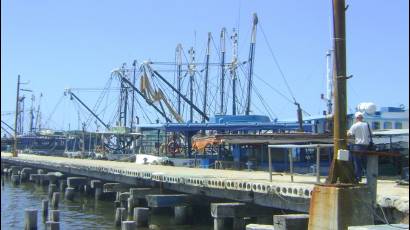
point(16, 117)
point(192, 70)
point(234, 65)
point(250, 63)
point(223, 50)
point(206, 74)
point(341, 171)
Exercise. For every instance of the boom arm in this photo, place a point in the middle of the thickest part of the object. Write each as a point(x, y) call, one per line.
point(85, 106)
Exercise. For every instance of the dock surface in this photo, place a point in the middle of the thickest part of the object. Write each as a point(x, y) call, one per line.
point(246, 186)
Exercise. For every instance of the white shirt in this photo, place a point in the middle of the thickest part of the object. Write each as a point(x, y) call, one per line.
point(360, 131)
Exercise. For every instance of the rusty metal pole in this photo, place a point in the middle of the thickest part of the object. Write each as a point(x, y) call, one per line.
point(340, 171)
point(16, 117)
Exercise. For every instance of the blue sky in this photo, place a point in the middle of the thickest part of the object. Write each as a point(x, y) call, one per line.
point(59, 44)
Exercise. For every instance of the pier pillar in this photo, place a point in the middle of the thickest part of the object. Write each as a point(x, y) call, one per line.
point(51, 189)
point(328, 199)
point(238, 223)
point(120, 215)
point(130, 205)
point(15, 179)
point(141, 216)
point(98, 193)
point(259, 227)
point(54, 215)
point(372, 172)
point(182, 214)
point(30, 219)
point(44, 207)
point(24, 174)
point(123, 198)
point(220, 224)
point(51, 225)
point(14, 170)
point(63, 185)
point(69, 193)
point(55, 200)
point(291, 221)
point(76, 182)
point(128, 225)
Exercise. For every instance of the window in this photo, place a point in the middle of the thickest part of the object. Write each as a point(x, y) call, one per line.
point(387, 125)
point(398, 125)
point(375, 125)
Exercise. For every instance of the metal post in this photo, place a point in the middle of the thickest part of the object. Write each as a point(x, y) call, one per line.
point(16, 117)
point(318, 164)
point(206, 75)
point(134, 64)
point(290, 164)
point(270, 164)
point(223, 32)
point(191, 83)
point(179, 72)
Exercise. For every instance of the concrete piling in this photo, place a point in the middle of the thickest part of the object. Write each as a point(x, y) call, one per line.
point(141, 216)
point(15, 179)
point(238, 223)
point(63, 185)
point(98, 193)
point(130, 205)
point(182, 214)
point(55, 200)
point(120, 215)
point(51, 225)
point(69, 193)
point(219, 224)
point(54, 215)
point(51, 189)
point(44, 207)
point(128, 225)
point(30, 219)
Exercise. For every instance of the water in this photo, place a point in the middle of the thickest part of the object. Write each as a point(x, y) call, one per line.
point(83, 213)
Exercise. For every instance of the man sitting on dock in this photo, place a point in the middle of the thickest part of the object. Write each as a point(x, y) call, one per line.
point(361, 131)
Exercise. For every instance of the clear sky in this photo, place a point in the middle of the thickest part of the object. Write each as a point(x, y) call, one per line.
point(59, 44)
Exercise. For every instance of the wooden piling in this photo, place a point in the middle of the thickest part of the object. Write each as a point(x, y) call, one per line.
point(181, 214)
point(30, 219)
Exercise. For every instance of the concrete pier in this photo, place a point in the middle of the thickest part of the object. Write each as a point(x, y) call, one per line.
point(54, 215)
point(63, 185)
point(51, 225)
point(141, 216)
point(292, 221)
point(182, 214)
point(76, 182)
point(120, 215)
point(69, 193)
point(51, 189)
point(55, 200)
point(128, 225)
point(15, 179)
point(44, 208)
point(30, 219)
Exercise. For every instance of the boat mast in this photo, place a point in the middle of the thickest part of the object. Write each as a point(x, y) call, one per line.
point(179, 72)
point(234, 64)
point(340, 171)
point(32, 114)
point(223, 33)
point(191, 68)
point(16, 117)
point(250, 62)
point(134, 64)
point(206, 74)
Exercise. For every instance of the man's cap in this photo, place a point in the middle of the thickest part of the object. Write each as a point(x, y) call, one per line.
point(358, 114)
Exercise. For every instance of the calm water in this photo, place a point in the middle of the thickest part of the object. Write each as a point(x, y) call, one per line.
point(83, 213)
